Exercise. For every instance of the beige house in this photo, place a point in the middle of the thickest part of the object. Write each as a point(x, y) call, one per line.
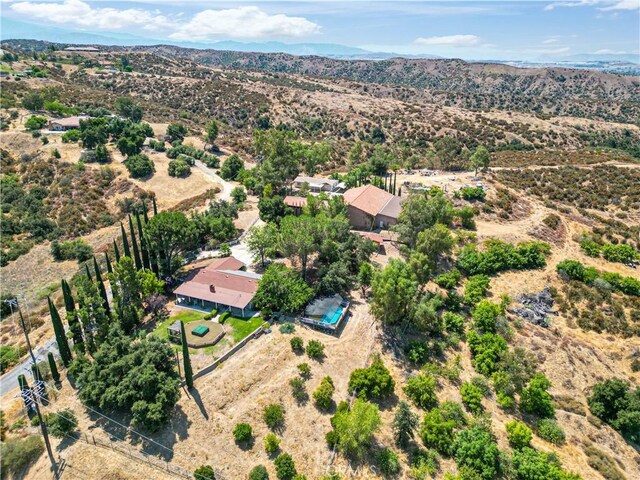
point(370, 207)
point(64, 124)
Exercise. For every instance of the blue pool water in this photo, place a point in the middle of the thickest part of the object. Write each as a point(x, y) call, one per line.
point(332, 318)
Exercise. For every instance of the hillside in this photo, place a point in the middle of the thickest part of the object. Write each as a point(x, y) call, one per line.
point(512, 183)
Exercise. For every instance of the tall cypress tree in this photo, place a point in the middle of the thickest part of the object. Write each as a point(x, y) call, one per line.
point(116, 251)
point(72, 317)
point(125, 242)
point(86, 266)
point(53, 368)
point(145, 213)
point(101, 288)
point(22, 381)
point(58, 330)
point(153, 259)
point(143, 245)
point(108, 261)
point(35, 371)
point(155, 207)
point(134, 244)
point(188, 372)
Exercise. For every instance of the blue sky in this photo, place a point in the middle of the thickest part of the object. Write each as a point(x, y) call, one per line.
point(472, 30)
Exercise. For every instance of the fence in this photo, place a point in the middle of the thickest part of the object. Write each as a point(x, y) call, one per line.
point(209, 368)
point(134, 454)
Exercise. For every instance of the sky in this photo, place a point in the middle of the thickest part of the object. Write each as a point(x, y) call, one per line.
point(518, 29)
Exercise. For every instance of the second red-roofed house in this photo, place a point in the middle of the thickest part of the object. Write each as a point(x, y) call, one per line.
point(370, 207)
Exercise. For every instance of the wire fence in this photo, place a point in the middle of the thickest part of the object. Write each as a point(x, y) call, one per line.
point(133, 454)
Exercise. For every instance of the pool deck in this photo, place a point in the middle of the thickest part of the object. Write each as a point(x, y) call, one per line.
point(328, 326)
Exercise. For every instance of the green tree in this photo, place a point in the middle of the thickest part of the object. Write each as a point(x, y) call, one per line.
point(170, 235)
point(204, 472)
point(188, 372)
point(127, 294)
point(280, 157)
point(271, 443)
point(393, 292)
point(405, 423)
point(471, 397)
point(322, 396)
point(273, 415)
point(272, 208)
point(262, 242)
point(136, 376)
point(435, 242)
point(101, 288)
point(373, 382)
point(72, 318)
point(421, 390)
point(231, 167)
point(212, 131)
point(239, 195)
point(281, 290)
point(519, 434)
point(298, 239)
point(53, 368)
point(449, 151)
point(242, 432)
point(125, 242)
point(354, 428)
point(61, 338)
point(259, 472)
point(126, 108)
point(485, 315)
point(177, 131)
point(420, 212)
point(139, 166)
point(61, 423)
point(365, 276)
point(535, 399)
point(480, 159)
point(285, 467)
point(475, 448)
point(144, 251)
point(134, 244)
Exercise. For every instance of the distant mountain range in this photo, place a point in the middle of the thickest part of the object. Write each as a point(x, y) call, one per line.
point(15, 29)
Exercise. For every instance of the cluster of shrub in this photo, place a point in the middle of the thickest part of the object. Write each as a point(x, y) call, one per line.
point(499, 256)
point(621, 252)
point(615, 402)
point(574, 270)
point(471, 193)
point(76, 249)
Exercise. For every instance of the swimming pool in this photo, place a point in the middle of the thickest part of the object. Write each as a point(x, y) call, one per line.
point(332, 318)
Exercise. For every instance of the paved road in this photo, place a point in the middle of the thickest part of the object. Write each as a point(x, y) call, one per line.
point(225, 194)
point(9, 380)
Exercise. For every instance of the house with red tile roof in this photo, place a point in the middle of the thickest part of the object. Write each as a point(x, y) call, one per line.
point(223, 285)
point(370, 207)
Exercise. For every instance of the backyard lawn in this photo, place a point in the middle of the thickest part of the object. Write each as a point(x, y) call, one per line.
point(242, 327)
point(187, 316)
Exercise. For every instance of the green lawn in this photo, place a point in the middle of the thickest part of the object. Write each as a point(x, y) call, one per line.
point(241, 327)
point(161, 330)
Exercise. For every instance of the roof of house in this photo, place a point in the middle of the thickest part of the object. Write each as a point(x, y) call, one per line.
point(373, 200)
point(295, 202)
point(222, 282)
point(69, 121)
point(374, 237)
point(317, 181)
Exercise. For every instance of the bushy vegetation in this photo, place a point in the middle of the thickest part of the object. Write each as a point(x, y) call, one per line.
point(615, 402)
point(273, 416)
point(421, 390)
point(499, 256)
point(373, 382)
point(139, 166)
point(353, 428)
point(242, 432)
point(18, 453)
point(322, 396)
point(71, 250)
point(574, 270)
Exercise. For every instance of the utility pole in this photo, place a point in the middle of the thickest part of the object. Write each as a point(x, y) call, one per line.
point(13, 302)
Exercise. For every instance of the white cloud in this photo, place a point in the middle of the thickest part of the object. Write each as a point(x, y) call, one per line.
point(608, 51)
point(549, 41)
point(243, 22)
point(606, 4)
point(76, 13)
point(624, 5)
point(450, 41)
